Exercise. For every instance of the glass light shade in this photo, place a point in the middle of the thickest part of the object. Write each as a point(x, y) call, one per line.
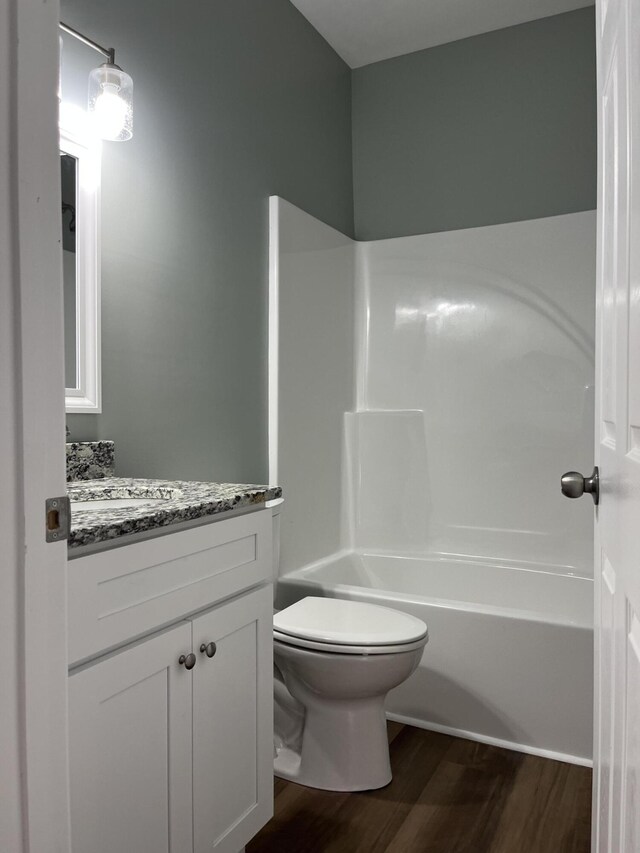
point(111, 102)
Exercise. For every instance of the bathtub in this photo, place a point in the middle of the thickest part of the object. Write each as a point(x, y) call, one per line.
point(510, 655)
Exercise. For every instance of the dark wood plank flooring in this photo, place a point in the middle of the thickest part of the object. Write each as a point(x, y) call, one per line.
point(447, 796)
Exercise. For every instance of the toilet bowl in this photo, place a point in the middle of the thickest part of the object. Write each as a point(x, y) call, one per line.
point(335, 661)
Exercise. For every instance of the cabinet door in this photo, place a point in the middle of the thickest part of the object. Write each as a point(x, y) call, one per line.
point(131, 751)
point(233, 723)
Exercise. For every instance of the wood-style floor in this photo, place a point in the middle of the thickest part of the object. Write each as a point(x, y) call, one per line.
point(447, 796)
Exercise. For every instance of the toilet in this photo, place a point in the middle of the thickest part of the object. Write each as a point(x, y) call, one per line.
point(335, 660)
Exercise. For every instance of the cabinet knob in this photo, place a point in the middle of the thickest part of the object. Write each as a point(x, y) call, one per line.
point(209, 649)
point(188, 661)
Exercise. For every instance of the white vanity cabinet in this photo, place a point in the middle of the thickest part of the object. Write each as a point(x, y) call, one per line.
point(164, 757)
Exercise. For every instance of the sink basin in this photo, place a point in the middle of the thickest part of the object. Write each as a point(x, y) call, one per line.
point(116, 503)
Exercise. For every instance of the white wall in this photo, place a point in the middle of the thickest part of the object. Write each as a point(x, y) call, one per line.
point(490, 333)
point(311, 281)
point(473, 389)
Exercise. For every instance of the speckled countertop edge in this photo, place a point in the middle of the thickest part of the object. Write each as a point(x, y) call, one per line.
point(181, 501)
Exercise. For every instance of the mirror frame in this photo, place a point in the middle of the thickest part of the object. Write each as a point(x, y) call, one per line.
point(86, 149)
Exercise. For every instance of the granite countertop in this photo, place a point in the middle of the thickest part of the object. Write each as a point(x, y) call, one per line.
point(181, 501)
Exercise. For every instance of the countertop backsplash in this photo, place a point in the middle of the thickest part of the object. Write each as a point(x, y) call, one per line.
point(90, 460)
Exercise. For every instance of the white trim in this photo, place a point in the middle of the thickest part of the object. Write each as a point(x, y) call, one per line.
point(492, 741)
point(80, 143)
point(274, 335)
point(40, 605)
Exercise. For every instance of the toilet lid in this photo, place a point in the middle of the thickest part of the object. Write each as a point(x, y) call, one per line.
point(341, 622)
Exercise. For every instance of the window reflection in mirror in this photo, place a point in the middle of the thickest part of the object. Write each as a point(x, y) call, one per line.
point(69, 206)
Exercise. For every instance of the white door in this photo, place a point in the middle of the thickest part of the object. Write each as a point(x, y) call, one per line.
point(617, 551)
point(33, 748)
point(233, 723)
point(130, 749)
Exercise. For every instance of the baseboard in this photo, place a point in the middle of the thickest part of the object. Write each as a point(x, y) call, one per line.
point(493, 741)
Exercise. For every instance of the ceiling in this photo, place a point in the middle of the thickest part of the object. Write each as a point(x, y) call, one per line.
point(365, 31)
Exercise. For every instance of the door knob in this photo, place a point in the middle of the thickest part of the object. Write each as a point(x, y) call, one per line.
point(209, 649)
point(574, 485)
point(188, 661)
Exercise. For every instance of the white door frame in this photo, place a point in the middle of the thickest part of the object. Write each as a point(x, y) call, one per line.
point(33, 735)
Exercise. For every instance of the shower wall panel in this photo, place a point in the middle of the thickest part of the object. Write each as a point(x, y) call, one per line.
point(311, 378)
point(489, 332)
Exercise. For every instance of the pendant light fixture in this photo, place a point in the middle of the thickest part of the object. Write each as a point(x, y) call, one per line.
point(110, 93)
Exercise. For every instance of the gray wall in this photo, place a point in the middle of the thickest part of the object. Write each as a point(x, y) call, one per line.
point(234, 100)
point(496, 128)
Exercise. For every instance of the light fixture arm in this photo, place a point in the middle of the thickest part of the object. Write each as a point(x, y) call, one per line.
point(109, 52)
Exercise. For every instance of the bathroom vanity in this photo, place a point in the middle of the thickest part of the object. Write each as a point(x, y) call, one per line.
point(170, 666)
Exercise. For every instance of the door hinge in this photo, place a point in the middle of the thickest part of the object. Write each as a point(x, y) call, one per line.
point(57, 519)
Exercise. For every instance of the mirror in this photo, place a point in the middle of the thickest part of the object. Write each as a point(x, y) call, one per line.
point(80, 185)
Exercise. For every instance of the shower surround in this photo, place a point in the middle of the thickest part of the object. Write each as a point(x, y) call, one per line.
point(426, 393)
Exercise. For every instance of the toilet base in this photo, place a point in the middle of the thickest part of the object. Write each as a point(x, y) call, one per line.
point(286, 765)
point(342, 749)
point(330, 723)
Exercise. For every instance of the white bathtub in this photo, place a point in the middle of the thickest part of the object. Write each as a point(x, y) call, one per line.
point(509, 659)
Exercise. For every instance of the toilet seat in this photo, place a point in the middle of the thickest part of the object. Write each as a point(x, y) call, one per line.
point(335, 648)
point(341, 626)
